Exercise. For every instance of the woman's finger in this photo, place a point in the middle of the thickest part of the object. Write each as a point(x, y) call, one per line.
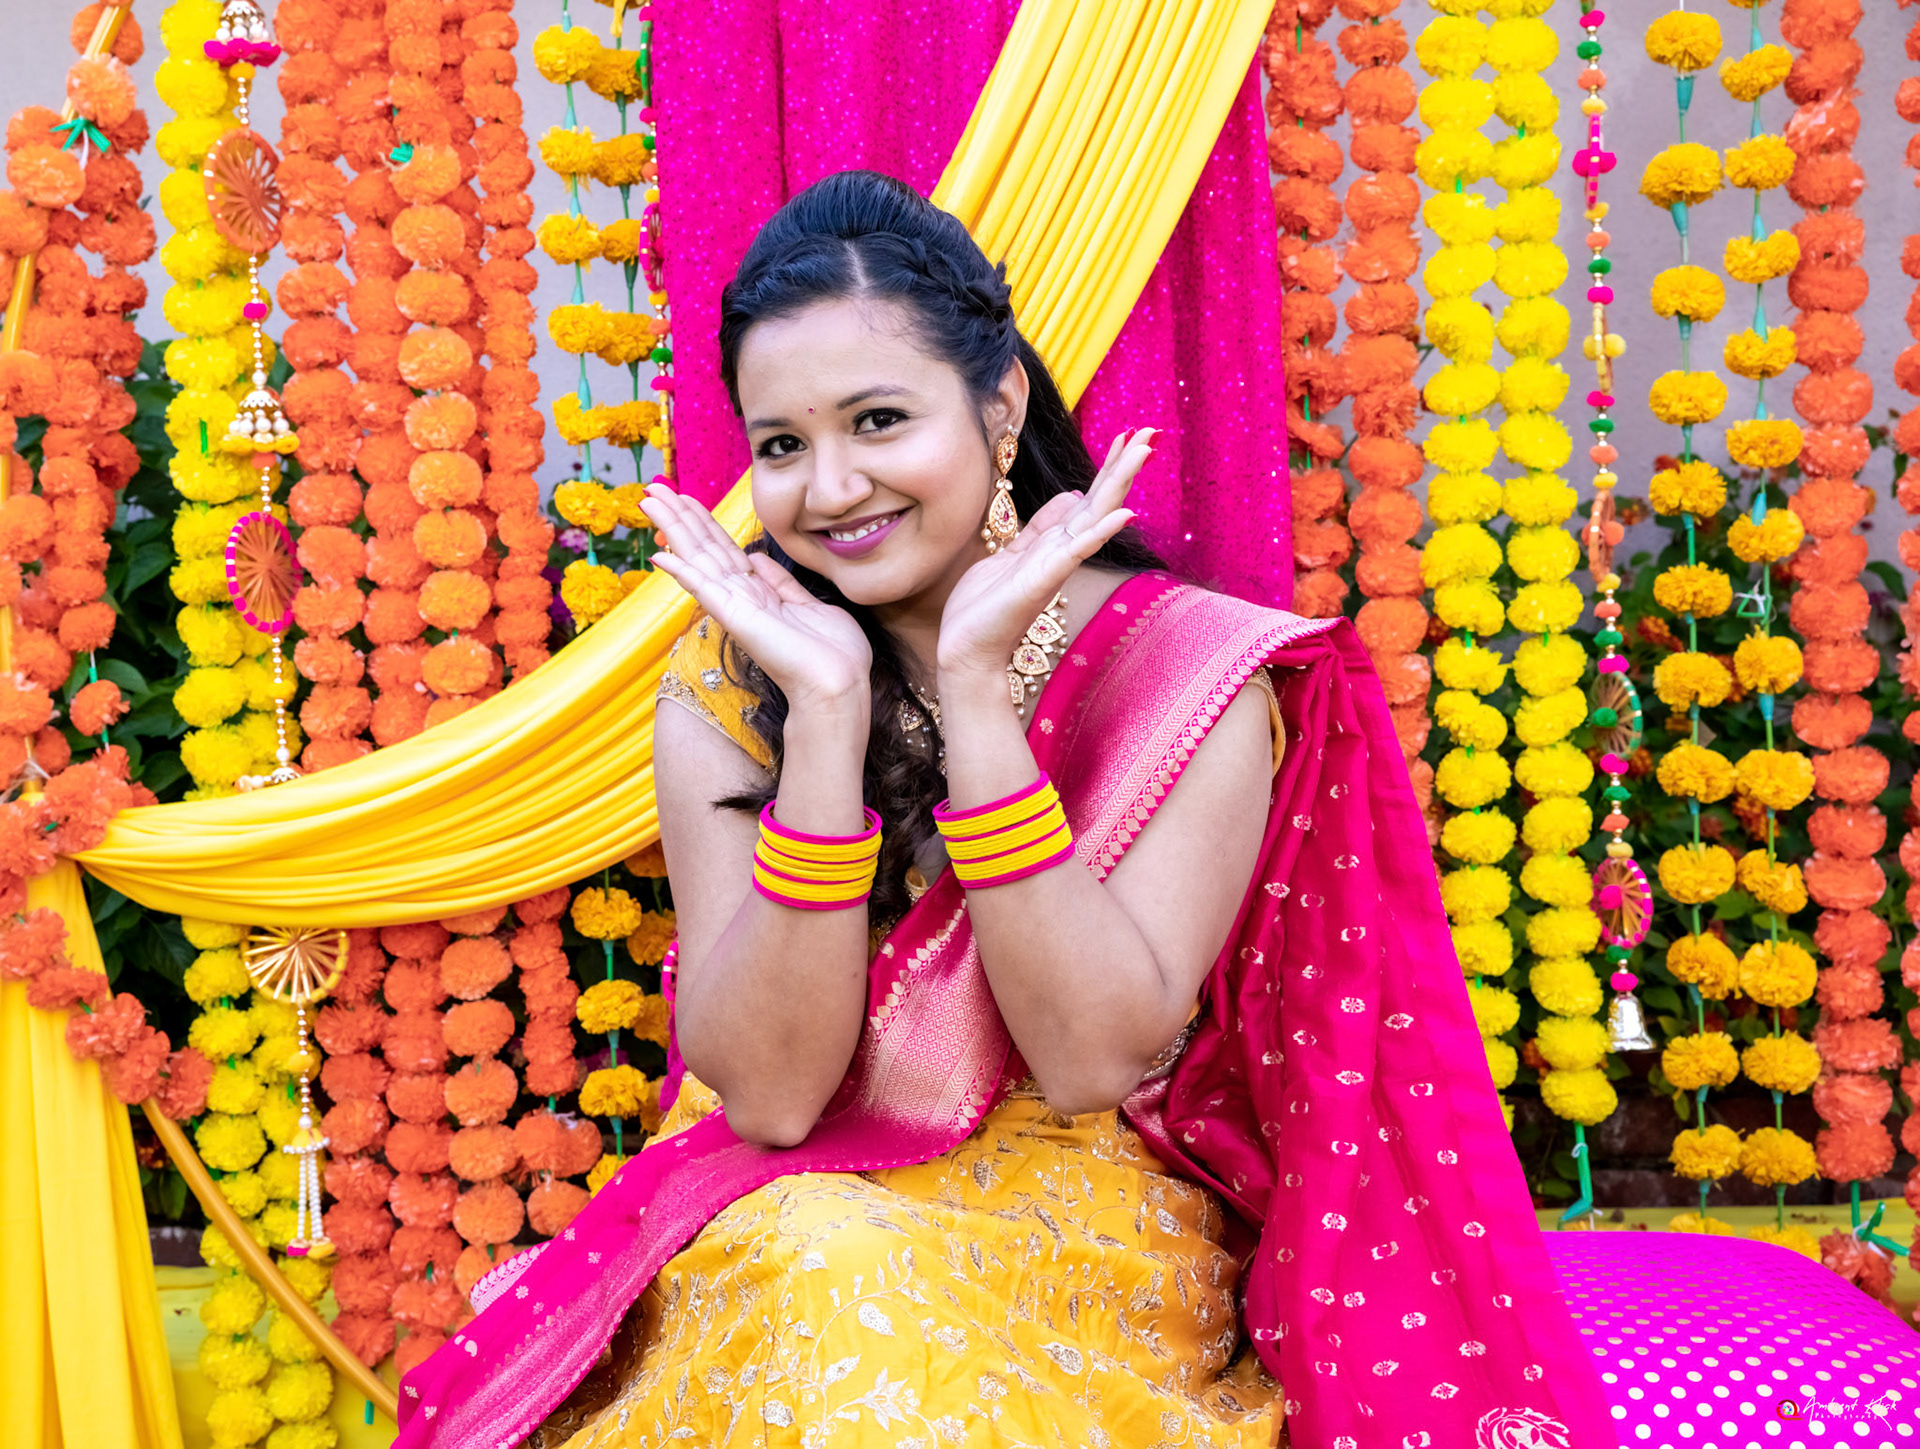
point(785, 586)
point(1055, 510)
point(692, 530)
point(1116, 479)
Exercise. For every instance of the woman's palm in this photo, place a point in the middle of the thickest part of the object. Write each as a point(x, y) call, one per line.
point(807, 647)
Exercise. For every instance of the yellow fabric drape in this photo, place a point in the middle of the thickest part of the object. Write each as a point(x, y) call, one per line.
point(83, 1361)
point(1075, 166)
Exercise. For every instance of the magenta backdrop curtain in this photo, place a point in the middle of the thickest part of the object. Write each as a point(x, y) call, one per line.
point(757, 101)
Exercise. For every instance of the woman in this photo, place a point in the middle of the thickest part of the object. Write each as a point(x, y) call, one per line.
point(1075, 1050)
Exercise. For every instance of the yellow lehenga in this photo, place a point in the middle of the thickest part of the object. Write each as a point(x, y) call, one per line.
point(1045, 1283)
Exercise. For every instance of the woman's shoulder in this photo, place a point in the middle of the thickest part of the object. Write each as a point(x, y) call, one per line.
point(703, 679)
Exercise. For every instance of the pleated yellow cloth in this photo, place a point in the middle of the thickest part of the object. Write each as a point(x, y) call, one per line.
point(1075, 166)
point(83, 1361)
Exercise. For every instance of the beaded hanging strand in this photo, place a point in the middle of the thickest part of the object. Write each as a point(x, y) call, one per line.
point(1765, 666)
point(1622, 894)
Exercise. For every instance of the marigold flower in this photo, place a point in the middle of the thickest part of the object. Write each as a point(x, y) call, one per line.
point(1478, 839)
point(564, 55)
point(1764, 442)
point(1760, 163)
point(1778, 779)
point(1696, 874)
point(647, 943)
point(1682, 398)
point(1580, 1096)
point(1572, 1043)
point(606, 914)
point(609, 1006)
point(1751, 76)
point(1685, 679)
point(1565, 986)
point(1758, 262)
point(1786, 1063)
point(1777, 973)
point(1704, 962)
point(1697, 589)
point(1776, 884)
point(1696, 772)
point(1467, 781)
point(1481, 894)
point(1694, 487)
point(1683, 174)
point(616, 1092)
point(1709, 1154)
point(1684, 40)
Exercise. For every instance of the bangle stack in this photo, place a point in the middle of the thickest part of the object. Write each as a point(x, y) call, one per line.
point(1007, 840)
point(815, 872)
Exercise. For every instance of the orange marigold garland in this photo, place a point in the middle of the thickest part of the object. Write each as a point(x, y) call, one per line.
point(66, 348)
point(1377, 365)
point(326, 502)
point(350, 1029)
point(420, 1094)
point(437, 230)
point(511, 420)
point(1303, 99)
point(1906, 439)
point(1831, 606)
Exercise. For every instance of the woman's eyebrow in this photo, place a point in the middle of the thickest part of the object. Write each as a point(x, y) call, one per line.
point(883, 390)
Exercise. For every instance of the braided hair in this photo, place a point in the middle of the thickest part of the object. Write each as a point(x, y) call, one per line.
point(864, 234)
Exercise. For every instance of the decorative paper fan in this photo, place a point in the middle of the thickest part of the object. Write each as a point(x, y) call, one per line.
point(1602, 534)
point(243, 191)
point(1616, 692)
point(653, 252)
point(262, 574)
point(1623, 900)
point(295, 963)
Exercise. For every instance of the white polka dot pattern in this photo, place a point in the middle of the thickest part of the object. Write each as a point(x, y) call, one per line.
point(1723, 1343)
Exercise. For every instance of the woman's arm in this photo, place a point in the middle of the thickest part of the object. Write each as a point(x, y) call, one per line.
point(769, 999)
point(1095, 978)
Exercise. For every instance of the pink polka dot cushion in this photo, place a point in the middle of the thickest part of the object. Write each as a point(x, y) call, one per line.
point(1723, 1343)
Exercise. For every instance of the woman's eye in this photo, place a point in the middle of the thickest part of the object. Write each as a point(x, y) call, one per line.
point(777, 446)
point(880, 417)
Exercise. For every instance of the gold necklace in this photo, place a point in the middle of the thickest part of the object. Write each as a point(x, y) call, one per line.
point(1033, 663)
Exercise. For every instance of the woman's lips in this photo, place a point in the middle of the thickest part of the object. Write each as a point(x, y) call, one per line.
point(869, 534)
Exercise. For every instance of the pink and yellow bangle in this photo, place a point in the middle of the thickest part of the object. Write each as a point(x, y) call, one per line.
point(1007, 840)
point(815, 872)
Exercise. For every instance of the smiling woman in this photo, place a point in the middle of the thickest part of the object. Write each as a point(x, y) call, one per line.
point(992, 845)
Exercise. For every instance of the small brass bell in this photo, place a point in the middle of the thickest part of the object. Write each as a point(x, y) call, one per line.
point(1627, 1024)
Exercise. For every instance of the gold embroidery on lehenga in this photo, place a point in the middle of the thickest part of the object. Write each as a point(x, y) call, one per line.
point(1044, 1283)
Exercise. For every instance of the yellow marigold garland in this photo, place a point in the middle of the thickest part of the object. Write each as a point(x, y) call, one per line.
point(1698, 873)
point(1462, 556)
point(227, 696)
point(567, 54)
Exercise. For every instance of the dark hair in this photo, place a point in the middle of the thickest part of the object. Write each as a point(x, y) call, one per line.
point(864, 234)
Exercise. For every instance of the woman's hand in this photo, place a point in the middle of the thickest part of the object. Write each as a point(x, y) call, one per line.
point(816, 653)
point(997, 599)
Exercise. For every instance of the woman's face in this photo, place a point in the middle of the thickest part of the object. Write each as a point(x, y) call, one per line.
point(871, 464)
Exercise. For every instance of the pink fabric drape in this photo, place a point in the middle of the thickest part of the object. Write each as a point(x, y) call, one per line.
point(759, 101)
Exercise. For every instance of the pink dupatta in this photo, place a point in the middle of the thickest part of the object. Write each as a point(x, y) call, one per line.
point(1335, 1093)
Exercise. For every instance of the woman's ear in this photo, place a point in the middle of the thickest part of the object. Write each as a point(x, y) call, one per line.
point(1006, 407)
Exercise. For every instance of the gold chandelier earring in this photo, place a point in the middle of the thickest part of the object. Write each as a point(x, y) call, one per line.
point(1003, 523)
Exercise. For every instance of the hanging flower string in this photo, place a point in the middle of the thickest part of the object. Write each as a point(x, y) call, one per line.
point(1831, 606)
point(510, 418)
point(1569, 1045)
point(1678, 178)
point(1377, 367)
point(1906, 440)
point(1461, 558)
point(325, 504)
point(1774, 973)
point(1303, 99)
point(570, 54)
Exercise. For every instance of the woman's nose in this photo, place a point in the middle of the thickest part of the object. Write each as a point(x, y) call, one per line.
point(835, 485)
